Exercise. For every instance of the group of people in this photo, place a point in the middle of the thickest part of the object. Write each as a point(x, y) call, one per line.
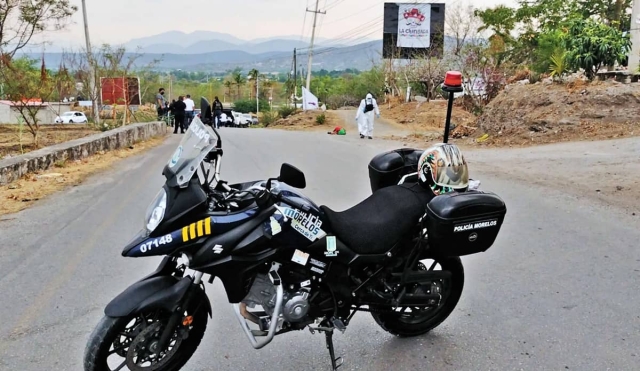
point(182, 110)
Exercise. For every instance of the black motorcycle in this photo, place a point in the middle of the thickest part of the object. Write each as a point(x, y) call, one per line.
point(285, 263)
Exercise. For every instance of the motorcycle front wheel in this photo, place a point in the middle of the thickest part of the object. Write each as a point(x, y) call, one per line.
point(408, 321)
point(129, 343)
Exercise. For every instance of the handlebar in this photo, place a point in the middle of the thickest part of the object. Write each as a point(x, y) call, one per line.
point(238, 193)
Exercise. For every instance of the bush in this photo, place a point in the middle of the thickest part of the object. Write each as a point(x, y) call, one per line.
point(321, 119)
point(268, 118)
point(249, 105)
point(339, 101)
point(285, 111)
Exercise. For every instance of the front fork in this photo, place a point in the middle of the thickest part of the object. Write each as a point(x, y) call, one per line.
point(178, 313)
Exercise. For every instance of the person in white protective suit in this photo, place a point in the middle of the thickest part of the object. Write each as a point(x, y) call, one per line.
point(364, 117)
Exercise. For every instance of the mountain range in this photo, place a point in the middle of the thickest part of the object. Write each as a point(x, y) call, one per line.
point(220, 52)
point(200, 42)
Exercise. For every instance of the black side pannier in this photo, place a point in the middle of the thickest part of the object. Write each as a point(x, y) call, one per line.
point(386, 169)
point(464, 223)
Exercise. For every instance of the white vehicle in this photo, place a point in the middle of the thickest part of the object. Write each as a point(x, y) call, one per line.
point(71, 117)
point(242, 119)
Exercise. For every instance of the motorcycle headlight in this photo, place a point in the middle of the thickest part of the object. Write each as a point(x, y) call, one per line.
point(156, 210)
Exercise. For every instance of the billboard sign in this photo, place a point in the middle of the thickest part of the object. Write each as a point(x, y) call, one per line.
point(120, 90)
point(413, 30)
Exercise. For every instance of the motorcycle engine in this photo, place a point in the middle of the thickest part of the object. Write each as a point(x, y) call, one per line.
point(295, 304)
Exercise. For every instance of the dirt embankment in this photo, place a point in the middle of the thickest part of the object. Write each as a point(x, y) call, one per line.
point(308, 120)
point(424, 115)
point(525, 115)
point(547, 113)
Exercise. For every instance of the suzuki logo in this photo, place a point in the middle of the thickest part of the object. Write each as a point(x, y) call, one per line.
point(217, 249)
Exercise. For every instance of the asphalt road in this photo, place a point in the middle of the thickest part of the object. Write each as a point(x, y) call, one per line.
point(557, 291)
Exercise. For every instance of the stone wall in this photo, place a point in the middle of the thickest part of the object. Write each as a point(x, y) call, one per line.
point(15, 167)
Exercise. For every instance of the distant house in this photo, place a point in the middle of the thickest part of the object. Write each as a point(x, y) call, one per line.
point(47, 112)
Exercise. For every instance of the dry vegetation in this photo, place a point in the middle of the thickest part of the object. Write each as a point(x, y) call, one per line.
point(23, 193)
point(14, 143)
point(306, 120)
point(425, 115)
point(524, 115)
point(548, 113)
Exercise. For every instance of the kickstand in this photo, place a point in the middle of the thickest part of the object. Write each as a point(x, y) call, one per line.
point(335, 362)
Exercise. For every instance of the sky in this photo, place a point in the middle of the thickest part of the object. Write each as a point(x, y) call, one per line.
point(118, 21)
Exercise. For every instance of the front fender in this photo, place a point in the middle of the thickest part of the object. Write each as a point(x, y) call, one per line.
point(160, 292)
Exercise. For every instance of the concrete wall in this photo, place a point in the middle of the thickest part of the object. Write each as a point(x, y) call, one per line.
point(47, 115)
point(15, 167)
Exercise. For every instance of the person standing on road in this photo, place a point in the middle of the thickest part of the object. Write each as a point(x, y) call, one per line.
point(179, 109)
point(364, 117)
point(188, 112)
point(161, 103)
point(217, 111)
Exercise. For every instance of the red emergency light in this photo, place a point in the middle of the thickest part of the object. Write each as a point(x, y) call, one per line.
point(453, 79)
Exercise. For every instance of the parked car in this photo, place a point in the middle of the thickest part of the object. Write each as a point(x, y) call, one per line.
point(242, 120)
point(71, 117)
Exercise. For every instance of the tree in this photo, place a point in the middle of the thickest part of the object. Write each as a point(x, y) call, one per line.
point(28, 88)
point(267, 87)
point(21, 20)
point(228, 84)
point(238, 80)
point(462, 23)
point(109, 62)
point(541, 26)
point(592, 45)
point(253, 75)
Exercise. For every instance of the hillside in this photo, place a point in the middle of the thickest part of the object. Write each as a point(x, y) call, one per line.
point(273, 55)
point(359, 56)
point(201, 42)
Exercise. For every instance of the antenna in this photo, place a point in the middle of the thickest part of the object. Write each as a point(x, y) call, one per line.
point(452, 84)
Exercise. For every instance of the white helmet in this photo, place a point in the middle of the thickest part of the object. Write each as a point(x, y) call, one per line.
point(442, 168)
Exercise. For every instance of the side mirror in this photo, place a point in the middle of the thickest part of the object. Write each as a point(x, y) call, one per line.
point(292, 176)
point(205, 110)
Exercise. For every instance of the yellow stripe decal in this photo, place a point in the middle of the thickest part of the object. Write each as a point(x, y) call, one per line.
point(200, 232)
point(192, 230)
point(185, 234)
point(207, 226)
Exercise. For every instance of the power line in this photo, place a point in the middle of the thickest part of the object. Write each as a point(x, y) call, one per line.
point(334, 4)
point(313, 34)
point(304, 23)
point(355, 14)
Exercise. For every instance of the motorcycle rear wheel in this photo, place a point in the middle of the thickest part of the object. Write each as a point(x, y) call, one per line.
point(422, 321)
point(112, 337)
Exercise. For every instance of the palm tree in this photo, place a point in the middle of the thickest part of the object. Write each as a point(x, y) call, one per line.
point(253, 75)
point(239, 80)
point(228, 84)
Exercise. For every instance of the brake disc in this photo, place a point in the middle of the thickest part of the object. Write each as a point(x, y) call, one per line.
point(141, 355)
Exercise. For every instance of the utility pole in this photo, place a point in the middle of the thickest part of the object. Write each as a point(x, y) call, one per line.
point(313, 34)
point(634, 54)
point(295, 78)
point(92, 70)
point(257, 95)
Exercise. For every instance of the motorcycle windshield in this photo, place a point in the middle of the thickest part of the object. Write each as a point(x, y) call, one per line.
point(197, 142)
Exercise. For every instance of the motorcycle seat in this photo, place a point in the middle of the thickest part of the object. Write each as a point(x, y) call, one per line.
point(377, 223)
